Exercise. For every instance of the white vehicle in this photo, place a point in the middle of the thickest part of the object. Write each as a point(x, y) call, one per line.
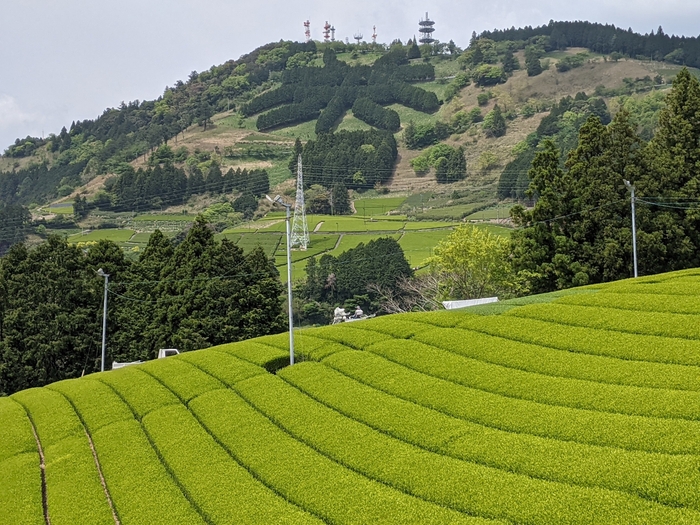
point(162, 353)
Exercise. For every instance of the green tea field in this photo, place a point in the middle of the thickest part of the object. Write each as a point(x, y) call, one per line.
point(574, 407)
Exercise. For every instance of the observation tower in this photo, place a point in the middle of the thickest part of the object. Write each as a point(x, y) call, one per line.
point(425, 28)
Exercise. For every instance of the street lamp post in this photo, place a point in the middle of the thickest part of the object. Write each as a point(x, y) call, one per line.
point(101, 273)
point(630, 187)
point(288, 207)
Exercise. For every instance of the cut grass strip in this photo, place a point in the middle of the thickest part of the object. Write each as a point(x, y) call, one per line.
point(591, 341)
point(550, 390)
point(222, 488)
point(671, 480)
point(20, 492)
point(561, 363)
point(74, 490)
point(647, 323)
point(326, 489)
point(515, 415)
point(443, 480)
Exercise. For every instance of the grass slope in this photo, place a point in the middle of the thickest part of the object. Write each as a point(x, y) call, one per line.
point(573, 407)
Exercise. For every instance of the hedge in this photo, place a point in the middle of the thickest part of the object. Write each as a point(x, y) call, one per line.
point(142, 392)
point(185, 380)
point(551, 390)
point(20, 499)
point(17, 435)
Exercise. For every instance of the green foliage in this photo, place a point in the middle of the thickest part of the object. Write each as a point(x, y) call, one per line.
point(337, 279)
point(532, 61)
point(571, 62)
point(473, 263)
point(419, 136)
point(486, 75)
point(449, 163)
point(494, 123)
point(246, 204)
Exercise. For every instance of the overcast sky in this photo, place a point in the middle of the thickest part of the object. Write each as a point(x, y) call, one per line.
point(65, 60)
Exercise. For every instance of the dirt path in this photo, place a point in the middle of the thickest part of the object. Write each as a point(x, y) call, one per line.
point(318, 226)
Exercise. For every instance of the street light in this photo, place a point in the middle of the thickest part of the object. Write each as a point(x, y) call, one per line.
point(630, 187)
point(101, 273)
point(278, 200)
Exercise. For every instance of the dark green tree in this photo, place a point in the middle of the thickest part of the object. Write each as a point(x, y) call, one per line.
point(340, 199)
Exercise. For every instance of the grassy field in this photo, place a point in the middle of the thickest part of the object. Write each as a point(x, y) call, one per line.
point(575, 407)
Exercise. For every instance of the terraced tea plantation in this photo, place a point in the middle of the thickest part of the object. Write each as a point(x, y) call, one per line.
point(574, 407)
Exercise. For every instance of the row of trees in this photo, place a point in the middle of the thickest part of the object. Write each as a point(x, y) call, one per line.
point(190, 296)
point(352, 278)
point(166, 184)
point(375, 115)
point(607, 39)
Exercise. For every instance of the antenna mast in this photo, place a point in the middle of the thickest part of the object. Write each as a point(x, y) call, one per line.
point(300, 230)
point(307, 30)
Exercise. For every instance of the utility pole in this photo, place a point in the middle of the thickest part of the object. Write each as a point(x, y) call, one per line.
point(630, 187)
point(288, 207)
point(101, 273)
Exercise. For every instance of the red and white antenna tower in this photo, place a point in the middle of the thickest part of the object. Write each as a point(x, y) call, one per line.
point(374, 34)
point(326, 32)
point(307, 30)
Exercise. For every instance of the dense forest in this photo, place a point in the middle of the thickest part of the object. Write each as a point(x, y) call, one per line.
point(358, 159)
point(190, 296)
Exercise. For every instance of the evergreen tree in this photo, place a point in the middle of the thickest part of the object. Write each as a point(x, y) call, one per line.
point(340, 199)
point(494, 122)
point(413, 49)
point(532, 62)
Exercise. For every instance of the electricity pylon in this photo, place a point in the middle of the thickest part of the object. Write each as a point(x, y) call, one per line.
point(300, 230)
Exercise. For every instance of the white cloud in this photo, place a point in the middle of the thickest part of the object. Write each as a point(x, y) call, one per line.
point(12, 116)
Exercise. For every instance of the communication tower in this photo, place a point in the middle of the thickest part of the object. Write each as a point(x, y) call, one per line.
point(332, 34)
point(307, 30)
point(300, 230)
point(374, 34)
point(358, 36)
point(326, 32)
point(425, 27)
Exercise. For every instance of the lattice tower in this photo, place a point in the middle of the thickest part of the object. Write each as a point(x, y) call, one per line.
point(300, 230)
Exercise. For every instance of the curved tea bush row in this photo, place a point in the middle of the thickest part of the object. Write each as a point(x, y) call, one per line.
point(516, 415)
point(650, 348)
point(636, 301)
point(575, 393)
point(638, 322)
point(672, 480)
point(305, 477)
point(74, 490)
point(20, 499)
point(465, 486)
point(140, 487)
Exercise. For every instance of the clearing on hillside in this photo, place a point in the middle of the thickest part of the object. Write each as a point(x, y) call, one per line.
point(574, 407)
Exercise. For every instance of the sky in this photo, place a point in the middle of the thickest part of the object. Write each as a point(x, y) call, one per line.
point(66, 60)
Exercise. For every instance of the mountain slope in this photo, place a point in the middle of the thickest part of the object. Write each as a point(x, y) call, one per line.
point(573, 407)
